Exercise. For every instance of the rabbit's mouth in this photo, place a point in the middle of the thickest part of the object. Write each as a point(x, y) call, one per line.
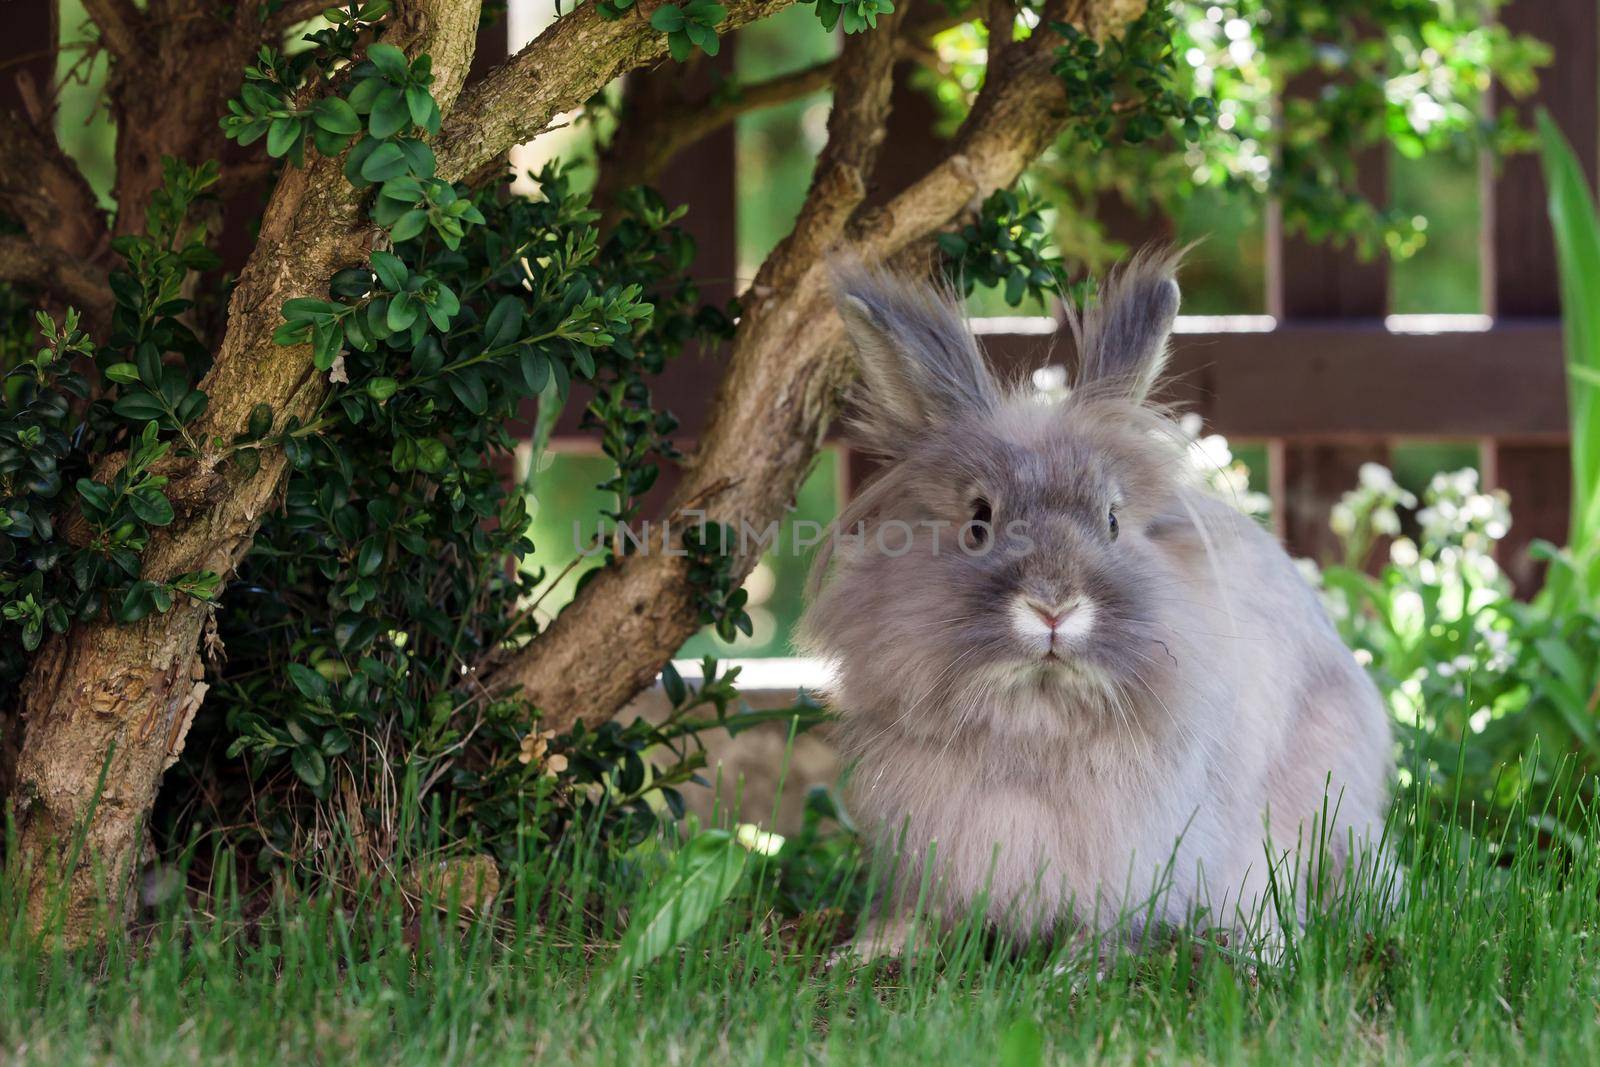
point(1055, 632)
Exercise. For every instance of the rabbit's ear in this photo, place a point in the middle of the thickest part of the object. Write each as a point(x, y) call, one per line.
point(1122, 342)
point(919, 361)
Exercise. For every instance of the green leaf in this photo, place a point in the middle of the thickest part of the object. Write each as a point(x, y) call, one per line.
point(668, 18)
point(1560, 658)
point(309, 682)
point(432, 455)
point(381, 389)
point(404, 189)
point(504, 323)
point(709, 13)
point(292, 333)
point(385, 162)
point(402, 313)
point(329, 144)
point(408, 226)
point(309, 765)
point(124, 373)
point(357, 158)
point(468, 388)
point(419, 157)
point(704, 36)
point(96, 496)
point(140, 407)
point(403, 456)
point(391, 270)
point(672, 682)
point(389, 115)
point(370, 558)
point(260, 422)
point(365, 93)
point(327, 341)
point(336, 116)
point(424, 112)
point(535, 369)
point(705, 872)
point(390, 61)
point(137, 603)
point(309, 308)
point(283, 135)
point(151, 507)
point(1577, 233)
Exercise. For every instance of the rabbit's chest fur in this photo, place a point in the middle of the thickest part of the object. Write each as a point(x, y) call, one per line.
point(1059, 831)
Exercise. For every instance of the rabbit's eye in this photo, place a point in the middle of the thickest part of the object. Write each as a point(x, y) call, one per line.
point(982, 518)
point(1111, 522)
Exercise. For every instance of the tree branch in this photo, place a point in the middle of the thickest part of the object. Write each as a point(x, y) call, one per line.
point(565, 65)
point(71, 280)
point(788, 369)
point(294, 13)
point(42, 189)
point(653, 134)
point(120, 24)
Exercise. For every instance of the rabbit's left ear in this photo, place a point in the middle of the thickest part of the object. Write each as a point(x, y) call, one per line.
point(1123, 338)
point(919, 361)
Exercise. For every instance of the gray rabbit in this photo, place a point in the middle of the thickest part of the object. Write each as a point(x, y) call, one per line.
point(1081, 691)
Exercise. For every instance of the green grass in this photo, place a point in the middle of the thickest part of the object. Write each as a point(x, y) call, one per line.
point(1487, 961)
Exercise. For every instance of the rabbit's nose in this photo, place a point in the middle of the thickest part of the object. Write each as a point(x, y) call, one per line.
point(1052, 615)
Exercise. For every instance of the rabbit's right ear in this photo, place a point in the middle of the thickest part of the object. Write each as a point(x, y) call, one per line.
point(919, 361)
point(1122, 341)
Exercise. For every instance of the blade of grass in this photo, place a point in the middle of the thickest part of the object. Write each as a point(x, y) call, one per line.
point(1577, 234)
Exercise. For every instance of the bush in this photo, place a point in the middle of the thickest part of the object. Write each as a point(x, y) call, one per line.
point(1495, 697)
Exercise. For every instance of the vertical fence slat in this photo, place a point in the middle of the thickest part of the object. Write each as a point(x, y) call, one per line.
point(1520, 274)
point(703, 179)
point(1313, 282)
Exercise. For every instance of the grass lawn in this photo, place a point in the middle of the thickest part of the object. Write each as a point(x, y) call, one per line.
point(1487, 961)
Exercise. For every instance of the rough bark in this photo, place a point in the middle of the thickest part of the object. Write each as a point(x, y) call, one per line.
point(107, 706)
point(788, 368)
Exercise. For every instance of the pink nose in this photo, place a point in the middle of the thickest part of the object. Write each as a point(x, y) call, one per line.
point(1051, 616)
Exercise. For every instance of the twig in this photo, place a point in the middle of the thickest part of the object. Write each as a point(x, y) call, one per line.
point(120, 26)
point(651, 136)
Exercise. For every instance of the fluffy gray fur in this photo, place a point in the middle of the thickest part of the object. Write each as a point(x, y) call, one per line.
point(1189, 714)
